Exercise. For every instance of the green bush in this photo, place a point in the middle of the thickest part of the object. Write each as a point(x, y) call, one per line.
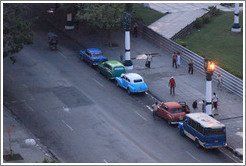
point(180, 42)
point(206, 19)
point(210, 7)
point(217, 12)
point(198, 23)
point(227, 4)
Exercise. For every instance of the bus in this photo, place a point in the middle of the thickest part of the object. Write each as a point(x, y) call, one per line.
point(206, 131)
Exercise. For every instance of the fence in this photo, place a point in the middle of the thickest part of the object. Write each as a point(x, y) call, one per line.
point(230, 82)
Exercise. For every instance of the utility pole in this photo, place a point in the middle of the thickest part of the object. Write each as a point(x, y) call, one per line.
point(235, 26)
point(209, 69)
point(127, 27)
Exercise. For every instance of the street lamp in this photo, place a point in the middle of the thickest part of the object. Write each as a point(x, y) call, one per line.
point(209, 67)
point(235, 26)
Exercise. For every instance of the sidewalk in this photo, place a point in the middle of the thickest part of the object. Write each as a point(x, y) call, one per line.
point(30, 153)
point(179, 15)
point(189, 87)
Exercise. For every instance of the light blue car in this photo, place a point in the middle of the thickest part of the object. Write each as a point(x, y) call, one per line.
point(132, 82)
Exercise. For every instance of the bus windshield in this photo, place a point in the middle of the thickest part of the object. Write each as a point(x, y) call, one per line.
point(215, 131)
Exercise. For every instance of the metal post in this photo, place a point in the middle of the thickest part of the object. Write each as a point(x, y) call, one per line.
point(235, 25)
point(209, 95)
point(69, 25)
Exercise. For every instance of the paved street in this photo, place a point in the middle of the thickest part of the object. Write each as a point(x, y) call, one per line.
point(83, 118)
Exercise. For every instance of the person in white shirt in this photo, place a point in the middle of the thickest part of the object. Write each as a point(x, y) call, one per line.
point(215, 101)
point(155, 107)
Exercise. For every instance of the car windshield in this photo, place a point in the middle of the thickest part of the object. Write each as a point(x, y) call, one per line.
point(119, 68)
point(96, 54)
point(138, 80)
point(176, 110)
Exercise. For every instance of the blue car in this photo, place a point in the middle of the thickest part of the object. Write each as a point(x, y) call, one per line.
point(93, 56)
point(132, 82)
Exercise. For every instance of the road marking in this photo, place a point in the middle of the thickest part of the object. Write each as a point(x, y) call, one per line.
point(67, 125)
point(105, 161)
point(98, 83)
point(66, 109)
point(149, 108)
point(140, 116)
point(62, 54)
point(29, 107)
point(239, 134)
point(192, 156)
point(10, 77)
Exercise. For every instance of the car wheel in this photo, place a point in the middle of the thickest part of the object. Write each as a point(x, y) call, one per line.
point(181, 132)
point(197, 143)
point(117, 84)
point(128, 91)
point(169, 123)
point(89, 64)
point(108, 77)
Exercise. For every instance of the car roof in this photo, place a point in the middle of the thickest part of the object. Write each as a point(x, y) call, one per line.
point(172, 104)
point(114, 63)
point(205, 120)
point(133, 76)
point(94, 50)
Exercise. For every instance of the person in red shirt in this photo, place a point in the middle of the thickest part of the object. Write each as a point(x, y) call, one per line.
point(172, 85)
point(174, 57)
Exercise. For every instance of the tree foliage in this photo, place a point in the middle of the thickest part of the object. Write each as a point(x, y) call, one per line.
point(16, 31)
point(106, 16)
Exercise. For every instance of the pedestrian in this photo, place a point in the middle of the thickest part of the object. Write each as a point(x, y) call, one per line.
point(174, 57)
point(194, 105)
point(12, 58)
point(172, 85)
point(148, 60)
point(178, 59)
point(190, 64)
point(219, 79)
point(203, 106)
point(135, 30)
point(215, 102)
point(155, 107)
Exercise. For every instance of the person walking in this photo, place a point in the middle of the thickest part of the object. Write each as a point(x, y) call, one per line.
point(219, 79)
point(190, 64)
point(178, 59)
point(172, 85)
point(194, 105)
point(203, 106)
point(155, 107)
point(174, 57)
point(148, 60)
point(135, 30)
point(215, 102)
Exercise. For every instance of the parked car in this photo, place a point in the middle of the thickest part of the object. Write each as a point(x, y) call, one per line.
point(111, 69)
point(132, 82)
point(173, 112)
point(93, 56)
point(204, 130)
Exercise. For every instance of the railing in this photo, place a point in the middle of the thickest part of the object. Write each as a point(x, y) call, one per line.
point(230, 82)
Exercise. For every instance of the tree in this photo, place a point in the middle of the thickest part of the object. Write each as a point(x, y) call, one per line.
point(16, 31)
point(102, 16)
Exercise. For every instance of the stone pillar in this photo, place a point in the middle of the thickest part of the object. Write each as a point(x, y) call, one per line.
point(209, 97)
point(69, 25)
point(235, 26)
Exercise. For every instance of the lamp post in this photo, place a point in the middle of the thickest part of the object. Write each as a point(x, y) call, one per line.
point(209, 67)
point(235, 25)
point(127, 27)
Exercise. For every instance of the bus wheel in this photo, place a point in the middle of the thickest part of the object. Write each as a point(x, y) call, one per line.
point(197, 143)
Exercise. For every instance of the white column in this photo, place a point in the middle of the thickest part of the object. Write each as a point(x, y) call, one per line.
point(69, 25)
point(209, 97)
point(236, 26)
point(127, 50)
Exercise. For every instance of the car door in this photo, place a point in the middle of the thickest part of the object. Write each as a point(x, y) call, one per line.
point(160, 110)
point(123, 81)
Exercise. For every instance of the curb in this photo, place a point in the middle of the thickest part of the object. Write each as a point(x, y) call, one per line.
point(236, 153)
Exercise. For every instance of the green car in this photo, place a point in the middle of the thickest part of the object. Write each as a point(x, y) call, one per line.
point(111, 69)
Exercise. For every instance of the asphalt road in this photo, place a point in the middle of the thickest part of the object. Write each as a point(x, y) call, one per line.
point(84, 118)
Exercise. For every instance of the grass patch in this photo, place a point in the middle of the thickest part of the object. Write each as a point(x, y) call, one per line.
point(145, 14)
point(216, 41)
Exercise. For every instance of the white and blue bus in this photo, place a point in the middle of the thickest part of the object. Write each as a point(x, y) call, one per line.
point(204, 130)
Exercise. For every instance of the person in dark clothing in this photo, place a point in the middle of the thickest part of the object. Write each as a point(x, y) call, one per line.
point(12, 58)
point(190, 64)
point(135, 30)
point(174, 57)
point(194, 105)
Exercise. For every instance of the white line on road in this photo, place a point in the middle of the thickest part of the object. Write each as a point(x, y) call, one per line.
point(192, 156)
point(149, 108)
point(140, 116)
point(105, 161)
point(29, 107)
point(62, 54)
point(98, 83)
point(67, 125)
